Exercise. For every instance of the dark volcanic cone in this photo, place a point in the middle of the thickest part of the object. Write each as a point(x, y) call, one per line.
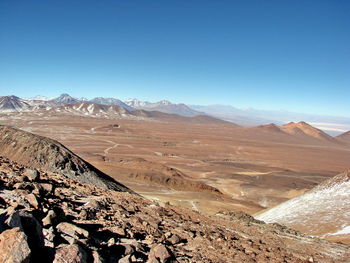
point(44, 153)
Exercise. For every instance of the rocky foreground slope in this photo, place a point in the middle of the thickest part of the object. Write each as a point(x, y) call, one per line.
point(41, 152)
point(47, 217)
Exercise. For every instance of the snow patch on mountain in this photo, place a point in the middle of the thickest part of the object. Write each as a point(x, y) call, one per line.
point(111, 101)
point(13, 104)
point(344, 231)
point(318, 211)
point(164, 106)
point(39, 97)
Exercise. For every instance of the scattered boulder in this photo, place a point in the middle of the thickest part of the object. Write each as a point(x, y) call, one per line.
point(47, 220)
point(46, 188)
point(49, 236)
point(174, 239)
point(125, 259)
point(70, 253)
point(31, 174)
point(14, 246)
point(32, 200)
point(160, 253)
point(71, 232)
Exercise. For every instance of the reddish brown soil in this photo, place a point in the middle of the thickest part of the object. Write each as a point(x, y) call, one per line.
point(253, 168)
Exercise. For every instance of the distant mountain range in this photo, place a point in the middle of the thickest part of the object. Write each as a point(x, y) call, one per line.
point(111, 101)
point(333, 125)
point(13, 104)
point(164, 106)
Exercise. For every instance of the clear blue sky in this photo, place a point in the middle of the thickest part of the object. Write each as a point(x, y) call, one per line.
point(290, 54)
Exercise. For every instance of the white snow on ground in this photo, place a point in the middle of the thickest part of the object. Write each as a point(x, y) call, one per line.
point(344, 231)
point(91, 108)
point(314, 210)
point(80, 106)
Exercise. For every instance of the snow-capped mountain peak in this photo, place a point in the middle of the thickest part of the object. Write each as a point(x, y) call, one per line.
point(164, 102)
point(39, 97)
point(111, 101)
point(13, 104)
point(65, 99)
point(164, 106)
point(135, 103)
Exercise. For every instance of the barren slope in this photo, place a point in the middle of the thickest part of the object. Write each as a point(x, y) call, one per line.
point(305, 129)
point(40, 152)
point(174, 117)
point(345, 136)
point(151, 173)
point(51, 218)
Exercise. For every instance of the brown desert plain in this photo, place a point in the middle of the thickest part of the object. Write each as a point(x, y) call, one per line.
point(201, 163)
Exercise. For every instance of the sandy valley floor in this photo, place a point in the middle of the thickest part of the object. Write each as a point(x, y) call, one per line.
point(253, 170)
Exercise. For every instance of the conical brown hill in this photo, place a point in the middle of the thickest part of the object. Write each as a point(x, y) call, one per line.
point(303, 128)
point(344, 136)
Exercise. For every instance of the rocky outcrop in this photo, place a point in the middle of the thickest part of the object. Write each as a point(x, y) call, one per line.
point(76, 222)
point(41, 152)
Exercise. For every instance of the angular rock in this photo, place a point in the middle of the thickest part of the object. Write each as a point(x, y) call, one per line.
point(72, 231)
point(174, 239)
point(97, 257)
point(125, 259)
point(49, 236)
point(70, 253)
point(118, 230)
point(47, 220)
point(14, 246)
point(31, 199)
point(160, 253)
point(46, 188)
point(32, 174)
